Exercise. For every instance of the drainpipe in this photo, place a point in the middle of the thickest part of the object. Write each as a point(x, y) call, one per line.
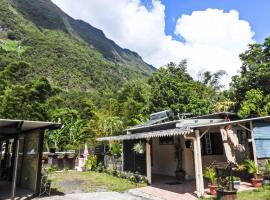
point(253, 144)
point(195, 150)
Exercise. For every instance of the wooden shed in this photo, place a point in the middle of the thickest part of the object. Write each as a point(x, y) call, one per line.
point(21, 144)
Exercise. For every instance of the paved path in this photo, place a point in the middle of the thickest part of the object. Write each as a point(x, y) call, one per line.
point(103, 196)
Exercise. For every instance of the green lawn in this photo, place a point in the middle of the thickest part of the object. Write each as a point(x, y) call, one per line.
point(72, 182)
point(258, 194)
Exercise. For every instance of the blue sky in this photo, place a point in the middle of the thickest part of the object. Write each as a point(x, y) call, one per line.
point(256, 12)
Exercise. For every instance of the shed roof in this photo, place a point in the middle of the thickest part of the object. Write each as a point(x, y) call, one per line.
point(10, 126)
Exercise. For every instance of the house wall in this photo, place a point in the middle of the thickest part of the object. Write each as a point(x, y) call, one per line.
point(132, 161)
point(29, 168)
point(163, 161)
point(261, 130)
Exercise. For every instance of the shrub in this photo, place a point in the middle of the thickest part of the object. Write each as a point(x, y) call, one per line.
point(133, 179)
point(99, 167)
point(91, 163)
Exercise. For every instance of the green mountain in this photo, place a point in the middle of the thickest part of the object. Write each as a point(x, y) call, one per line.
point(70, 53)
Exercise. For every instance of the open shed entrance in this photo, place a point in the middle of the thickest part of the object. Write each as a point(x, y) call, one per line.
point(21, 144)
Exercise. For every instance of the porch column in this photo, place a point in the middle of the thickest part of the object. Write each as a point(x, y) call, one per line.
point(148, 161)
point(15, 166)
point(1, 144)
point(200, 184)
point(122, 156)
point(253, 143)
point(14, 177)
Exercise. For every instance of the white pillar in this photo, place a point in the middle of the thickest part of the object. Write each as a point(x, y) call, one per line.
point(253, 143)
point(148, 162)
point(195, 148)
point(199, 162)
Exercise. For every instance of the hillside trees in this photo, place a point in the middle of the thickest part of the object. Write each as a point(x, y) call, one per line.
point(21, 98)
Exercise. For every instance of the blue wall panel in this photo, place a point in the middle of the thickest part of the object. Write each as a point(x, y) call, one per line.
point(261, 132)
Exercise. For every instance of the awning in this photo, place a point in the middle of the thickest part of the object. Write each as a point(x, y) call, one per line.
point(151, 134)
point(10, 126)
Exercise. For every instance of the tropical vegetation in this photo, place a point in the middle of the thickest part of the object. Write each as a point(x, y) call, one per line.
point(50, 70)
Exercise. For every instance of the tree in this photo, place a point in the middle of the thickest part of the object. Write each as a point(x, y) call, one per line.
point(26, 101)
point(254, 78)
point(172, 87)
point(74, 132)
point(133, 102)
point(212, 79)
point(255, 103)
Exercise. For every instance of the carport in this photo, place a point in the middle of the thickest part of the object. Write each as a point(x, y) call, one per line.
point(21, 144)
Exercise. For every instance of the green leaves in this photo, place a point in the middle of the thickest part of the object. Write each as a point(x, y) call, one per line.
point(255, 103)
point(172, 87)
point(252, 86)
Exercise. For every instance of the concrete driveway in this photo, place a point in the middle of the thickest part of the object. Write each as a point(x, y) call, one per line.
point(130, 195)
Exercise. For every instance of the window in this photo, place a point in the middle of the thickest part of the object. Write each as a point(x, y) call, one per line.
point(208, 147)
point(242, 137)
point(166, 140)
point(211, 144)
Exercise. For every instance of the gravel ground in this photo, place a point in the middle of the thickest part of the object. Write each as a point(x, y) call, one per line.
point(130, 195)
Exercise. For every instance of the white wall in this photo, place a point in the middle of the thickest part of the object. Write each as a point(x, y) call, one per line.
point(163, 158)
point(164, 161)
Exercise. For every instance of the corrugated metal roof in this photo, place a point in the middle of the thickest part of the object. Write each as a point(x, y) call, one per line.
point(152, 134)
point(178, 127)
point(9, 126)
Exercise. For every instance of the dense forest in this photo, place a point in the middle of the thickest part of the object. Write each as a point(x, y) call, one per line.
point(49, 72)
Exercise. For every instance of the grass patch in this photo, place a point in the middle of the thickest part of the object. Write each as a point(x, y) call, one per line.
point(258, 194)
point(70, 182)
point(12, 46)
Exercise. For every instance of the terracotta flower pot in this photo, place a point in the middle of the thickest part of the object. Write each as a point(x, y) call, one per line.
point(213, 189)
point(257, 183)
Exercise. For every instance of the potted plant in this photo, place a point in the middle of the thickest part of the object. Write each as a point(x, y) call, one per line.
point(139, 148)
point(226, 189)
point(179, 172)
point(210, 173)
point(253, 169)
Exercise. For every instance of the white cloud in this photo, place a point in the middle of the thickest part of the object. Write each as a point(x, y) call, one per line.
point(213, 38)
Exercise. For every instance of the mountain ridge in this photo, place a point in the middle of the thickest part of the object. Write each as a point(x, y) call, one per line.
point(56, 51)
point(55, 18)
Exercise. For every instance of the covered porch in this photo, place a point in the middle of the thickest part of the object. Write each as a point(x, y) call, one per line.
point(203, 141)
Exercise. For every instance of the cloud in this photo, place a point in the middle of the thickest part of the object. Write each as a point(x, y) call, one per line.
point(211, 39)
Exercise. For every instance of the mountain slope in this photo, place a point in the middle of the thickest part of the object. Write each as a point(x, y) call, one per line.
point(52, 43)
point(47, 15)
